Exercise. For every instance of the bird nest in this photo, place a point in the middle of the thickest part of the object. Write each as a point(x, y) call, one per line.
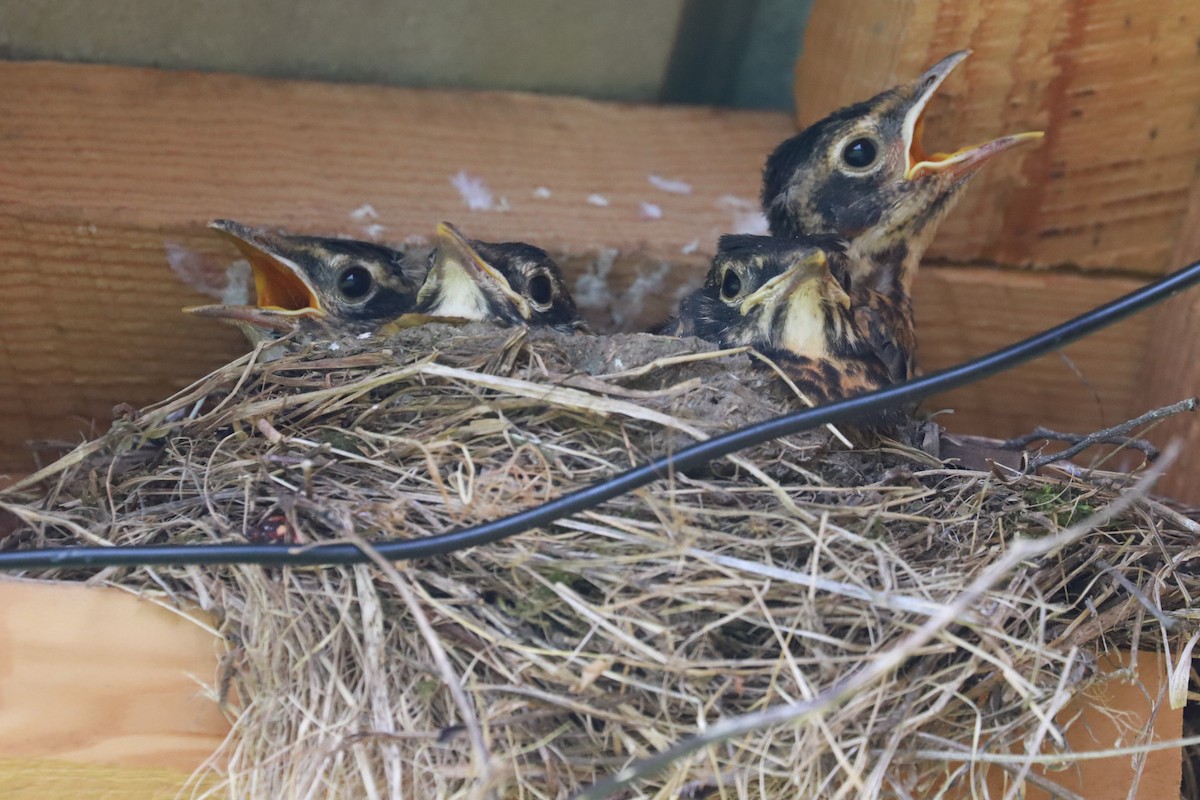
point(808, 618)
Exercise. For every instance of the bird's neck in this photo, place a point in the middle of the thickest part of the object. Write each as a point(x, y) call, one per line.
point(883, 261)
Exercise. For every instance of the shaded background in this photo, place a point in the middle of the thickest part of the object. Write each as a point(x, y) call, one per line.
point(711, 52)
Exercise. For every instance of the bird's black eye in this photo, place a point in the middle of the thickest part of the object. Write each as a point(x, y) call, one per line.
point(354, 283)
point(731, 285)
point(540, 289)
point(860, 153)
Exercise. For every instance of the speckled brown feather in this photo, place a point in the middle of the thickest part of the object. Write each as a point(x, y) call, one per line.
point(885, 322)
point(888, 208)
point(866, 337)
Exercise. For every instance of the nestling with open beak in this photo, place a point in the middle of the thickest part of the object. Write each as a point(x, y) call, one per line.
point(862, 173)
point(507, 283)
point(342, 285)
point(790, 299)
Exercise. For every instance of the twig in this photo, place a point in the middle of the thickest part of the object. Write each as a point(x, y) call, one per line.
point(1167, 623)
point(889, 660)
point(470, 722)
point(1039, 433)
point(1117, 434)
point(1189, 525)
point(1053, 759)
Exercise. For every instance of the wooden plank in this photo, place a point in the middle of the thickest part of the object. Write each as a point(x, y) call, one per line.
point(99, 676)
point(1172, 365)
point(1112, 82)
point(965, 313)
point(1135, 684)
point(37, 779)
point(116, 146)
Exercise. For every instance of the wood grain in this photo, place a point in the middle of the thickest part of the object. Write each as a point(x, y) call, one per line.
point(38, 779)
point(154, 150)
point(1136, 684)
point(1112, 82)
point(99, 676)
point(964, 313)
point(1172, 366)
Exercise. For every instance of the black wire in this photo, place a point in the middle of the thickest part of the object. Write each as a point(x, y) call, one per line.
point(592, 496)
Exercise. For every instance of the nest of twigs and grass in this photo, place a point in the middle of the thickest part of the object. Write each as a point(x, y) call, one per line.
point(833, 615)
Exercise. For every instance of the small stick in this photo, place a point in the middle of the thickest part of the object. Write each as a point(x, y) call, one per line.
point(1117, 434)
point(1167, 623)
point(1021, 442)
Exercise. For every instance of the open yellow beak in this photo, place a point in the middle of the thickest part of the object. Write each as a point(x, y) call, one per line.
point(462, 273)
point(282, 290)
point(960, 162)
point(782, 285)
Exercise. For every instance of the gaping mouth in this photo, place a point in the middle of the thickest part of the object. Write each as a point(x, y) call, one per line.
point(463, 279)
point(804, 271)
point(960, 162)
point(283, 293)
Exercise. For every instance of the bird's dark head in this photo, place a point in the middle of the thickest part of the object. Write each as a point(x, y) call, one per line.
point(862, 172)
point(341, 282)
point(772, 294)
point(509, 283)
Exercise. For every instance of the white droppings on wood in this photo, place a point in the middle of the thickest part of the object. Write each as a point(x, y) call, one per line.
point(239, 284)
point(597, 200)
point(591, 289)
point(364, 213)
point(473, 190)
point(417, 240)
point(541, 193)
point(374, 231)
point(690, 247)
point(194, 269)
point(745, 215)
point(651, 211)
point(628, 309)
point(668, 185)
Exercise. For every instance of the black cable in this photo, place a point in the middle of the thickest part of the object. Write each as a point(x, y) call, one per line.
point(592, 496)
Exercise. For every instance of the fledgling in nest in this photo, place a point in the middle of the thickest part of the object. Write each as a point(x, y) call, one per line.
point(506, 283)
point(792, 301)
point(339, 285)
point(862, 173)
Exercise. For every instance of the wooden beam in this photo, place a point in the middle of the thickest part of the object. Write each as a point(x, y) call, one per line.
point(964, 313)
point(1172, 365)
point(1136, 683)
point(1113, 84)
point(109, 146)
point(98, 676)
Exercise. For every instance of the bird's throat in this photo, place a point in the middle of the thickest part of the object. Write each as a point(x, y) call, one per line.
point(458, 295)
point(800, 329)
point(883, 263)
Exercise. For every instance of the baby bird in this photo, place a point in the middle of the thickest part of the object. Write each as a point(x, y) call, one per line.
point(507, 283)
point(791, 300)
point(862, 173)
point(343, 285)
